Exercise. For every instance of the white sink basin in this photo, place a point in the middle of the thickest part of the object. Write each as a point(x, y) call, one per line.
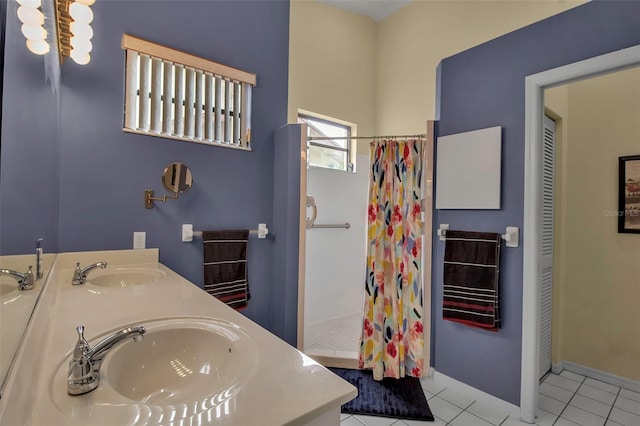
point(193, 364)
point(176, 365)
point(8, 286)
point(124, 277)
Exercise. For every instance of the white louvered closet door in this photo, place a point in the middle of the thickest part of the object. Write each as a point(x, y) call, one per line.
point(546, 265)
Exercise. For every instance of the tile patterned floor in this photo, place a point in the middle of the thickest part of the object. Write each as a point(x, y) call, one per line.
point(571, 399)
point(566, 399)
point(335, 337)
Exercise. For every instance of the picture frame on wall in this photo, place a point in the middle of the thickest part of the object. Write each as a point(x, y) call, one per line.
point(629, 195)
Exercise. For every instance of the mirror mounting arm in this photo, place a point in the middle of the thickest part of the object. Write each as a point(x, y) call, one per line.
point(149, 198)
point(175, 179)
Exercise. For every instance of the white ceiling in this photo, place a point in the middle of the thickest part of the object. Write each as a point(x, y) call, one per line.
point(376, 9)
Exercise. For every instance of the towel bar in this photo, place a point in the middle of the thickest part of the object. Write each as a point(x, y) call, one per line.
point(512, 235)
point(336, 225)
point(188, 233)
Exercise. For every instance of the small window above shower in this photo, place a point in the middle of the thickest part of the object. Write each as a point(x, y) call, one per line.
point(332, 147)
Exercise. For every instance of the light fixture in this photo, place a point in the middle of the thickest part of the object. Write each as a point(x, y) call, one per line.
point(80, 12)
point(33, 30)
point(31, 16)
point(30, 3)
point(39, 47)
point(80, 58)
point(34, 33)
point(74, 33)
point(81, 30)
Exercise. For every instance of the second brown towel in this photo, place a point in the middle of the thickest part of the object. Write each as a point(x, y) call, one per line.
point(225, 266)
point(471, 275)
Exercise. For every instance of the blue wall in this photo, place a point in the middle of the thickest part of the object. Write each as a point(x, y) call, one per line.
point(28, 145)
point(484, 87)
point(286, 219)
point(103, 171)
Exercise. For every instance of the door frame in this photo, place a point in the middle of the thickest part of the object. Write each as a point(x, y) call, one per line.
point(534, 110)
point(302, 236)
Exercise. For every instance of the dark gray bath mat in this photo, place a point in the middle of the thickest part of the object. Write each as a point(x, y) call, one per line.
point(397, 398)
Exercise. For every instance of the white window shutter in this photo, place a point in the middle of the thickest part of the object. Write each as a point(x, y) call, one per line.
point(145, 86)
point(179, 101)
point(228, 93)
point(246, 115)
point(198, 133)
point(156, 95)
point(546, 246)
point(218, 121)
point(189, 99)
point(167, 95)
point(131, 93)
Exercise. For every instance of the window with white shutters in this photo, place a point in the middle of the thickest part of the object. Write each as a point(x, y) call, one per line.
point(176, 95)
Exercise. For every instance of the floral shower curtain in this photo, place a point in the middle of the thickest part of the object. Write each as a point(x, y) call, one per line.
point(392, 342)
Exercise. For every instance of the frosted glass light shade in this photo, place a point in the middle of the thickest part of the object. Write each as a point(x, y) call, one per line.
point(33, 33)
point(30, 16)
point(81, 30)
point(86, 2)
point(80, 58)
point(81, 45)
point(81, 13)
point(39, 47)
point(30, 3)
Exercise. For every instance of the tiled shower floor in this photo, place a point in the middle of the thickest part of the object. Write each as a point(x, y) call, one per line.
point(337, 337)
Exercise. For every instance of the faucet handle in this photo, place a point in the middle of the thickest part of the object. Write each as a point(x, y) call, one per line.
point(82, 346)
point(77, 275)
point(82, 376)
point(27, 282)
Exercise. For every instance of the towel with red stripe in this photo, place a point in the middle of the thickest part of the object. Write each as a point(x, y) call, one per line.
point(225, 266)
point(471, 277)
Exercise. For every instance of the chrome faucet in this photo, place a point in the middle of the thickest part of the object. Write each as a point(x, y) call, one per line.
point(84, 367)
point(80, 275)
point(25, 281)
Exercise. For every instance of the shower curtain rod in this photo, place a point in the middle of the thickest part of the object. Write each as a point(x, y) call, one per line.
point(329, 138)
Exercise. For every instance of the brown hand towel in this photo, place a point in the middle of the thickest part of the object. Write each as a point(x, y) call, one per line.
point(471, 275)
point(225, 266)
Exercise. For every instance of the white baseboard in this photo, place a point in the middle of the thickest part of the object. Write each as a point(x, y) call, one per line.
point(557, 368)
point(477, 394)
point(603, 376)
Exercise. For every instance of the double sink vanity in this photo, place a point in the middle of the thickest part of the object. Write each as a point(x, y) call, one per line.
point(136, 343)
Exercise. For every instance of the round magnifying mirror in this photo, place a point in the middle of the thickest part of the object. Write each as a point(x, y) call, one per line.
point(177, 178)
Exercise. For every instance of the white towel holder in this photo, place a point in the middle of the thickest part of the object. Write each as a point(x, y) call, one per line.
point(511, 236)
point(442, 231)
point(188, 233)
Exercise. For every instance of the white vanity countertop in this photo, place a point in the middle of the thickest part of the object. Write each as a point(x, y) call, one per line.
point(284, 386)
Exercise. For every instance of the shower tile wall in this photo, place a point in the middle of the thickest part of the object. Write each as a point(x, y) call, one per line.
point(336, 259)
